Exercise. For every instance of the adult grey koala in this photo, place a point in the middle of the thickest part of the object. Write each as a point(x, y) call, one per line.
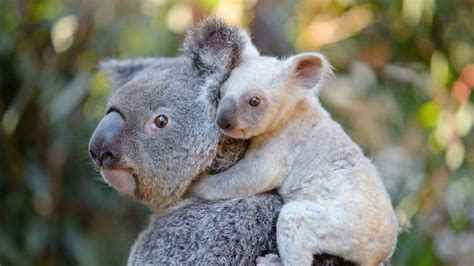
point(159, 135)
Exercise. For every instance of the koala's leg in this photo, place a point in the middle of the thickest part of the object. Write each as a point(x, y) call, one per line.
point(305, 228)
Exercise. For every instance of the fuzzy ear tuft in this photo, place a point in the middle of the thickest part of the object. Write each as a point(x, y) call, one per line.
point(215, 46)
point(122, 71)
point(310, 70)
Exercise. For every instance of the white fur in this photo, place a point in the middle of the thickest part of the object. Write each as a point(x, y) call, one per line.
point(335, 201)
point(249, 49)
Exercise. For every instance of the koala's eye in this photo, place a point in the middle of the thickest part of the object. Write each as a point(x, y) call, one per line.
point(254, 101)
point(161, 121)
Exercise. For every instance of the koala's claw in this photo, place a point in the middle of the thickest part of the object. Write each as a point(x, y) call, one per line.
point(269, 260)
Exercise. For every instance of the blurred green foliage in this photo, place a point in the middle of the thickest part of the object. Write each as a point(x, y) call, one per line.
point(403, 90)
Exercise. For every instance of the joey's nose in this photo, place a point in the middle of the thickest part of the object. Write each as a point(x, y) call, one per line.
point(224, 123)
point(104, 146)
point(226, 114)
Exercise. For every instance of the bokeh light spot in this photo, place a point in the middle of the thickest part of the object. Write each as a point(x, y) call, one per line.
point(454, 155)
point(230, 10)
point(62, 35)
point(439, 67)
point(10, 120)
point(464, 118)
point(428, 114)
point(179, 18)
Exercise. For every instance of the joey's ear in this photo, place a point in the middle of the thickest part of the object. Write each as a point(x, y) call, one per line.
point(309, 70)
point(216, 47)
point(122, 71)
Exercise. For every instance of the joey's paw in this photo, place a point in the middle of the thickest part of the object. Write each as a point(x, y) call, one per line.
point(197, 191)
point(201, 190)
point(269, 260)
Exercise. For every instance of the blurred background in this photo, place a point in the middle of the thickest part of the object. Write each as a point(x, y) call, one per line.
point(403, 90)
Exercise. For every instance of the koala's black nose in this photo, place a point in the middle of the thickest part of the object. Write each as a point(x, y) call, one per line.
point(226, 114)
point(104, 146)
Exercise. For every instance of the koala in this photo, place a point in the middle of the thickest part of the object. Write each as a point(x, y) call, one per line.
point(335, 201)
point(159, 135)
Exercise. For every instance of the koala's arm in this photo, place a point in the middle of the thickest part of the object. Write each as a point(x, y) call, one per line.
point(259, 171)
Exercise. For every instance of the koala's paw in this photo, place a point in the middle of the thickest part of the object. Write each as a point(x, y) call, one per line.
point(269, 260)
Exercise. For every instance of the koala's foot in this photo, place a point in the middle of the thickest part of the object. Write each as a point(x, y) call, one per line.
point(269, 260)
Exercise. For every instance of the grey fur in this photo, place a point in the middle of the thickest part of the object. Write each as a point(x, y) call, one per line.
point(210, 233)
point(190, 231)
point(120, 72)
point(214, 48)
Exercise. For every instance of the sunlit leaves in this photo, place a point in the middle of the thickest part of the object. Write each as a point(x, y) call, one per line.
point(428, 114)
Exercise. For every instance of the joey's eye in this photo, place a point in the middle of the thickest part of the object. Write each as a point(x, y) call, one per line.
point(161, 121)
point(254, 101)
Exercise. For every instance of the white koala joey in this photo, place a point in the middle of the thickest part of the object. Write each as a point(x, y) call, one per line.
point(335, 201)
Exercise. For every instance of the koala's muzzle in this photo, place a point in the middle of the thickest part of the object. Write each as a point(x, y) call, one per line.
point(105, 150)
point(226, 114)
point(104, 146)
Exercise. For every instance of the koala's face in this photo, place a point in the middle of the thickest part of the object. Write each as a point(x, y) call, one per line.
point(159, 131)
point(156, 135)
point(250, 97)
point(261, 91)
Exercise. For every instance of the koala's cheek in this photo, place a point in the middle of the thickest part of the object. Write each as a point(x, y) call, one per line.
point(121, 180)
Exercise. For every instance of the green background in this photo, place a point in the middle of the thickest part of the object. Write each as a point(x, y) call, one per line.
point(404, 76)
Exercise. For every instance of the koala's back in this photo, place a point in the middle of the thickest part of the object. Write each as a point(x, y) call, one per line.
point(206, 233)
point(231, 232)
point(320, 157)
point(321, 164)
point(330, 181)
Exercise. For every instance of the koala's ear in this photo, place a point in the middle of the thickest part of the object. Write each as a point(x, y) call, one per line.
point(216, 47)
point(122, 71)
point(309, 70)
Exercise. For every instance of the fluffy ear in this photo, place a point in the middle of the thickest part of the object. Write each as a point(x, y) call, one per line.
point(216, 47)
point(309, 70)
point(122, 71)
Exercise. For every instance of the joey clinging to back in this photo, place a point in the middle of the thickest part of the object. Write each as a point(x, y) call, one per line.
point(335, 201)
